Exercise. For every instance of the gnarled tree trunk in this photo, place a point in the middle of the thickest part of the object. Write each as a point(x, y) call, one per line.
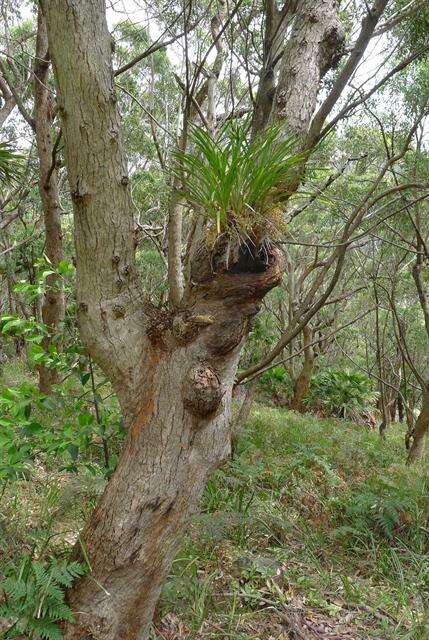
point(173, 375)
point(173, 372)
point(179, 432)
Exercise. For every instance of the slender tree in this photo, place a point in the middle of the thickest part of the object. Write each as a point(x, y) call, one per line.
point(44, 105)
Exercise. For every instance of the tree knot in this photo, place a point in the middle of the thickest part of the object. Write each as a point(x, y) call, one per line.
point(158, 330)
point(202, 391)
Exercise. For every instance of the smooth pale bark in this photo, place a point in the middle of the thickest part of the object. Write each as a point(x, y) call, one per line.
point(302, 383)
point(53, 302)
point(421, 429)
point(111, 315)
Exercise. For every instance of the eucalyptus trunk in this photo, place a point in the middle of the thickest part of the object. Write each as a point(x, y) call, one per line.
point(173, 372)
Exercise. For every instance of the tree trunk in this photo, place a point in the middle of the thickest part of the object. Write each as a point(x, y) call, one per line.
point(179, 432)
point(401, 413)
point(243, 413)
point(409, 412)
point(393, 407)
point(302, 383)
point(421, 429)
point(173, 372)
point(382, 402)
point(316, 39)
point(53, 302)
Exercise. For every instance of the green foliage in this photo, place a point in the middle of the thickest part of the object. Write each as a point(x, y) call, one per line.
point(345, 394)
point(10, 164)
point(306, 509)
point(29, 429)
point(233, 180)
point(33, 597)
point(74, 425)
point(276, 381)
point(375, 510)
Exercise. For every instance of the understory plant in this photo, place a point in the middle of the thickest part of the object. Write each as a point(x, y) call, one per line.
point(10, 164)
point(344, 394)
point(32, 594)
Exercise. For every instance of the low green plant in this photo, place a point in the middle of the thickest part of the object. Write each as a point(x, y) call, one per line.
point(33, 597)
point(344, 394)
point(276, 382)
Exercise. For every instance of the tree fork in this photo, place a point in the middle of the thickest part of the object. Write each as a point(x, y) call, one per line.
point(173, 373)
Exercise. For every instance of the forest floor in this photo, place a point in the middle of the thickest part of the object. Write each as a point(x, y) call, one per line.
point(315, 529)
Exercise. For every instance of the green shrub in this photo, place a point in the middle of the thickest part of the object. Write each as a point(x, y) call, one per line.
point(33, 597)
point(276, 382)
point(344, 394)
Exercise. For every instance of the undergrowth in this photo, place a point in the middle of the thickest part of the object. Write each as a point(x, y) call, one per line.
point(314, 525)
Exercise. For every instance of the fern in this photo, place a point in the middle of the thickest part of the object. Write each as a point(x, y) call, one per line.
point(34, 597)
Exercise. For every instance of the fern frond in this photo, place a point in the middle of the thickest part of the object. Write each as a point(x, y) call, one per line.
point(44, 629)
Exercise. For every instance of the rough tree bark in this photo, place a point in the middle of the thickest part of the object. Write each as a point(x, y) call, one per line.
point(53, 302)
point(315, 44)
point(302, 383)
point(173, 373)
point(421, 429)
